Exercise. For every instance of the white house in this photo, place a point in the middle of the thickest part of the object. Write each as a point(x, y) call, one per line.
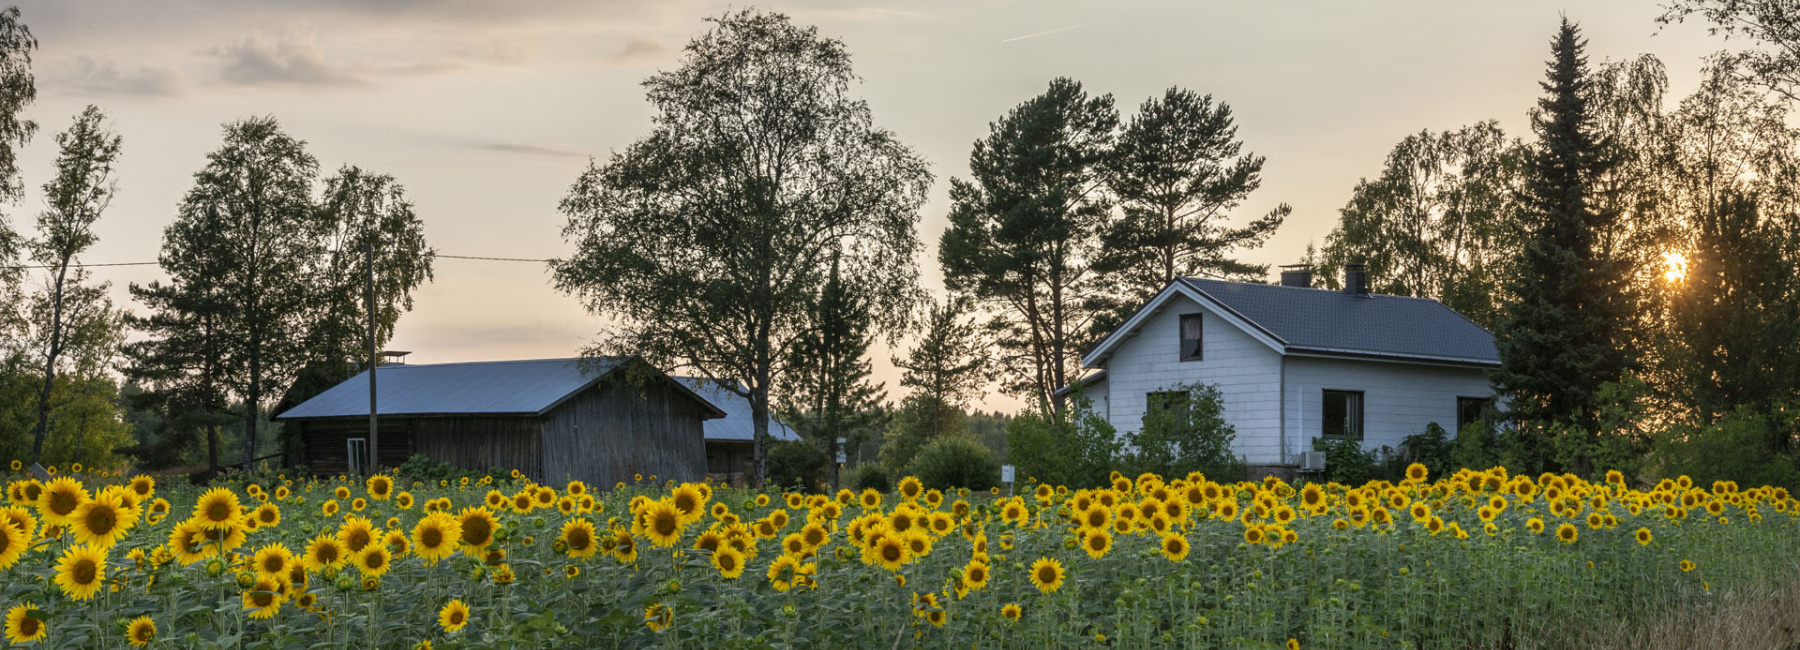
point(1294, 363)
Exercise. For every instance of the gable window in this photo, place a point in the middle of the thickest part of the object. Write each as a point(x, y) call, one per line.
point(1342, 415)
point(1470, 410)
point(1191, 328)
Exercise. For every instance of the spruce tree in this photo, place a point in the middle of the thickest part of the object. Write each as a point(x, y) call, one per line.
point(830, 394)
point(1561, 337)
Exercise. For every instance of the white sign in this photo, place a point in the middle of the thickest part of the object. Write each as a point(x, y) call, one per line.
point(1006, 473)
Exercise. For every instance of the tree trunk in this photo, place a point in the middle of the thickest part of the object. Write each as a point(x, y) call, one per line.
point(759, 419)
point(39, 430)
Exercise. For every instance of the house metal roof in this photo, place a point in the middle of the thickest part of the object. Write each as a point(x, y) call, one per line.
point(736, 425)
point(1336, 323)
point(530, 387)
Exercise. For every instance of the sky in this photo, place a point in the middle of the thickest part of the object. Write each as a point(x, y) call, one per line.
point(487, 110)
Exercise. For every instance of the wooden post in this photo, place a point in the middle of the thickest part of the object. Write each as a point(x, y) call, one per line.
point(374, 464)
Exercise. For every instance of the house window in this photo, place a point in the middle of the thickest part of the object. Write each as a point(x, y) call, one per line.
point(1470, 410)
point(1343, 414)
point(1166, 400)
point(358, 454)
point(1191, 329)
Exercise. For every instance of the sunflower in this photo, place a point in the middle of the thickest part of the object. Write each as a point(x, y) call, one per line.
point(911, 488)
point(218, 509)
point(730, 562)
point(522, 502)
point(454, 615)
point(1047, 574)
point(1174, 547)
point(1687, 565)
point(325, 551)
point(356, 533)
point(478, 527)
point(140, 632)
point(13, 543)
point(1643, 536)
point(1011, 612)
point(1417, 472)
point(188, 542)
point(80, 572)
point(1566, 533)
point(625, 547)
point(1535, 524)
point(889, 552)
point(659, 617)
point(380, 486)
point(578, 537)
point(1097, 543)
point(662, 523)
point(709, 541)
point(272, 561)
point(24, 624)
point(870, 499)
point(975, 575)
point(374, 560)
point(266, 515)
point(815, 535)
point(435, 537)
point(690, 502)
point(59, 499)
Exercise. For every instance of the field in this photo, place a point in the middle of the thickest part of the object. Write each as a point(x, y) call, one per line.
point(1475, 559)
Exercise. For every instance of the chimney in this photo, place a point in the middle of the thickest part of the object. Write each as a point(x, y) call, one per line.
point(1356, 279)
point(1297, 275)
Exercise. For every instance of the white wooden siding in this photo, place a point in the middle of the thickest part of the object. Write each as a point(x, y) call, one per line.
point(1399, 399)
point(1246, 371)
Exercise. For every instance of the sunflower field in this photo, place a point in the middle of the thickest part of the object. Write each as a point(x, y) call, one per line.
point(1475, 559)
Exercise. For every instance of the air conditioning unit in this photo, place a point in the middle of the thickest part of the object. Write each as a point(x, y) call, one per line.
point(1312, 461)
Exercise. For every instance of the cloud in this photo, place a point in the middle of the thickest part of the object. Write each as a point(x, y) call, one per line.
point(641, 50)
point(1046, 32)
point(533, 149)
point(102, 75)
point(291, 58)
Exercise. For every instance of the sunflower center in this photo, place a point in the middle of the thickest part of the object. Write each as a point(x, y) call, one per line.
point(62, 503)
point(578, 539)
point(728, 561)
point(665, 524)
point(374, 560)
point(272, 564)
point(476, 531)
point(262, 599)
point(28, 627)
point(218, 511)
point(431, 538)
point(456, 617)
point(890, 553)
point(84, 572)
point(1046, 575)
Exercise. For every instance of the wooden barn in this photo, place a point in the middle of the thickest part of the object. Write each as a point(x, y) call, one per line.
point(597, 420)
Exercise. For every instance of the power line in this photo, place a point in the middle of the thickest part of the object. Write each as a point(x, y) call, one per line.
point(83, 266)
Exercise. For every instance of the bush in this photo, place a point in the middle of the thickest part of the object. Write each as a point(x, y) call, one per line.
point(1074, 447)
point(1346, 462)
point(870, 476)
point(1734, 448)
point(957, 462)
point(430, 471)
point(1187, 435)
point(798, 463)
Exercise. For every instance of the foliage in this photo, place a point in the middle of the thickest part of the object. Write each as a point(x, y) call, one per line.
point(1178, 171)
point(1439, 222)
point(947, 367)
point(1190, 435)
point(1434, 448)
point(1732, 446)
point(830, 394)
point(957, 462)
point(798, 464)
point(431, 471)
point(705, 240)
point(912, 427)
point(870, 476)
point(1563, 335)
point(1075, 445)
point(1770, 24)
point(1024, 228)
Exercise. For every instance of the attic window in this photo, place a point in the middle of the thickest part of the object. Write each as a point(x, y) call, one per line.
point(1191, 329)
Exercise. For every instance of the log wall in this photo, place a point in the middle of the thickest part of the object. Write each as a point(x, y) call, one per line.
point(616, 429)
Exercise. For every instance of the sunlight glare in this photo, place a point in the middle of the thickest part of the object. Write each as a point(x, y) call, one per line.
point(1675, 266)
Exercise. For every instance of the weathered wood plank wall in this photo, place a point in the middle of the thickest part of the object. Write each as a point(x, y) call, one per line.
point(617, 429)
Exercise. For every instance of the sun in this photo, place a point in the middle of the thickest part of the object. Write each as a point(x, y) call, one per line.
point(1675, 266)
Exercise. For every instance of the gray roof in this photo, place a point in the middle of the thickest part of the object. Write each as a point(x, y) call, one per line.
point(529, 387)
point(1322, 321)
point(736, 425)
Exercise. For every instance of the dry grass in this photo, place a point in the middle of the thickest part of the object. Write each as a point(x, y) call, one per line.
point(1745, 619)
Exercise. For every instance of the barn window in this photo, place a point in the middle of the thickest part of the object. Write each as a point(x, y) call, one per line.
point(357, 454)
point(1343, 414)
point(1191, 329)
point(1470, 410)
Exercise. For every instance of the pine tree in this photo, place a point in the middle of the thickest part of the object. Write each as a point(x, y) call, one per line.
point(1562, 335)
point(830, 394)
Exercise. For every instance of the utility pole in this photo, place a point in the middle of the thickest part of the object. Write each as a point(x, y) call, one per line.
point(373, 465)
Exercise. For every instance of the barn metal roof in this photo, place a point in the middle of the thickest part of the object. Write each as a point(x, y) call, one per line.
point(736, 425)
point(1322, 321)
point(530, 387)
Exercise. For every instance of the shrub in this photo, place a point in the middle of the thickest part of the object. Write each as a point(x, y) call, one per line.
point(1185, 434)
point(429, 471)
point(1346, 462)
point(870, 476)
point(1072, 447)
point(957, 462)
point(797, 463)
